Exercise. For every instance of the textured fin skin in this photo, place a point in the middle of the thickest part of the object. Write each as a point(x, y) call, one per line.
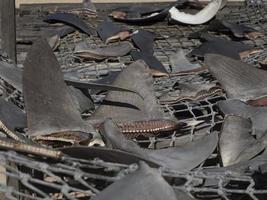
point(139, 185)
point(112, 51)
point(258, 115)
point(126, 106)
point(236, 142)
point(49, 104)
point(239, 80)
point(179, 62)
point(180, 158)
point(214, 45)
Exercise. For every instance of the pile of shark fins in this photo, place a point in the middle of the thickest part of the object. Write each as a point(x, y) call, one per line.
point(51, 124)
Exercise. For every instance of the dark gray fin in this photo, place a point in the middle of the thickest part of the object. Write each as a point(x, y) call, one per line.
point(180, 64)
point(180, 158)
point(107, 29)
point(60, 31)
point(83, 102)
point(156, 67)
point(238, 30)
point(144, 40)
point(141, 10)
point(235, 107)
point(72, 20)
point(258, 115)
point(220, 46)
point(145, 183)
point(125, 106)
point(105, 154)
point(82, 50)
point(96, 86)
point(11, 74)
point(49, 105)
point(238, 79)
point(236, 142)
point(136, 18)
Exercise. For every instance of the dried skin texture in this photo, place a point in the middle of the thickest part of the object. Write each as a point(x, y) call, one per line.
point(112, 51)
point(50, 107)
point(180, 64)
point(258, 115)
point(188, 92)
point(180, 158)
point(125, 106)
point(144, 40)
point(232, 49)
point(139, 185)
point(110, 32)
point(238, 79)
point(237, 30)
point(132, 109)
point(156, 67)
point(236, 142)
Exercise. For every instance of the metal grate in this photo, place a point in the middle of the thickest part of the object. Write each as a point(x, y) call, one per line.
point(78, 179)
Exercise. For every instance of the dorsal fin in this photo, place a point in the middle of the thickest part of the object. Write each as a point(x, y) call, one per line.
point(49, 104)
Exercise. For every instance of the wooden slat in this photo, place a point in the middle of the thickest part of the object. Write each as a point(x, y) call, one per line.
point(8, 27)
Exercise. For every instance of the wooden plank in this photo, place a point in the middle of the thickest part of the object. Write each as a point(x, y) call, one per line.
point(8, 27)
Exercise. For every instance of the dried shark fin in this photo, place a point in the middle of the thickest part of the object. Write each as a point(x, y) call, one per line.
point(105, 154)
point(238, 30)
point(72, 20)
point(83, 102)
point(51, 111)
point(203, 16)
point(190, 92)
point(181, 65)
point(181, 158)
point(110, 32)
point(96, 86)
point(144, 40)
point(257, 115)
point(236, 142)
point(232, 49)
point(238, 79)
point(145, 183)
point(125, 106)
point(137, 19)
point(96, 53)
point(156, 67)
point(11, 74)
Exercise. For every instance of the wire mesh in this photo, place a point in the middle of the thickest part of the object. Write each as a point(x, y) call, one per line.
point(71, 178)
